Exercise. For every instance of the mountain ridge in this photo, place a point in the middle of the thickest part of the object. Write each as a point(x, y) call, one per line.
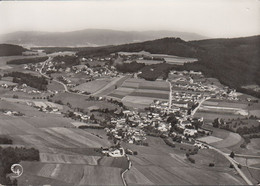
point(90, 37)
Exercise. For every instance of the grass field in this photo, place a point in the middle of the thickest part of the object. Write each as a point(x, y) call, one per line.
point(137, 102)
point(168, 58)
point(159, 164)
point(210, 116)
point(111, 86)
point(210, 139)
point(3, 61)
point(69, 159)
point(254, 145)
point(93, 86)
point(71, 174)
point(229, 139)
point(139, 93)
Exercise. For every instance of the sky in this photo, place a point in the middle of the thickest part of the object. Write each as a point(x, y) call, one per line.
point(211, 18)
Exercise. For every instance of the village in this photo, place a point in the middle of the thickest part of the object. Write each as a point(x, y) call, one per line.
point(172, 118)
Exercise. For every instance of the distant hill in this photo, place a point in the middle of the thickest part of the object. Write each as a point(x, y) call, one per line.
point(235, 62)
point(90, 37)
point(11, 50)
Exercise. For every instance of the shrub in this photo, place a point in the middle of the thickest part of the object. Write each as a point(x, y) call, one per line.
point(191, 160)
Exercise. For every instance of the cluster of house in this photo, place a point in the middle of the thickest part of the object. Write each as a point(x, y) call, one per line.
point(198, 87)
point(12, 113)
point(19, 88)
point(44, 108)
point(33, 66)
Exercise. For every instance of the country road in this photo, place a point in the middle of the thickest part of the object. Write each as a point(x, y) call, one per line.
point(200, 103)
point(129, 166)
point(232, 161)
point(65, 86)
point(170, 96)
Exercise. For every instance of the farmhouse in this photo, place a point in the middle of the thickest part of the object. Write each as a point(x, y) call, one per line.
point(117, 153)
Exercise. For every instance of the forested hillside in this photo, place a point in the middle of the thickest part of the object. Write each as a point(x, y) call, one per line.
point(11, 50)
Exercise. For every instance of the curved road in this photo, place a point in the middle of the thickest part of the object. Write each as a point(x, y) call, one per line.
point(129, 166)
point(65, 86)
point(232, 161)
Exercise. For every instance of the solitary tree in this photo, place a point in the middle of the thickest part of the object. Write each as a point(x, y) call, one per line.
point(232, 154)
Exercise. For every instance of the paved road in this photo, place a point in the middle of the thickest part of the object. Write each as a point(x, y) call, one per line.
point(129, 167)
point(64, 85)
point(232, 161)
point(170, 96)
point(200, 103)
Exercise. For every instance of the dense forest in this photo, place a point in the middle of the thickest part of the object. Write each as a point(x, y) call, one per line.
point(27, 60)
point(11, 50)
point(39, 83)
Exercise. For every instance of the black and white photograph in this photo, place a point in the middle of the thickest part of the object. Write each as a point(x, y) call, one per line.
point(129, 92)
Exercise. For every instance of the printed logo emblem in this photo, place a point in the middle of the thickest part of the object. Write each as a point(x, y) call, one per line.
point(17, 169)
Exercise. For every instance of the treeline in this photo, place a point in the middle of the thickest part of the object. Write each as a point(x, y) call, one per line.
point(152, 72)
point(27, 60)
point(130, 67)
point(174, 46)
point(10, 156)
point(11, 50)
point(39, 83)
point(248, 130)
point(4, 140)
point(65, 61)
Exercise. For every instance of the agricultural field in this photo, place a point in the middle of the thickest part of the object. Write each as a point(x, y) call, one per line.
point(139, 93)
point(93, 86)
point(68, 174)
point(254, 145)
point(5, 59)
point(111, 86)
point(168, 58)
point(221, 138)
point(67, 155)
point(79, 101)
point(159, 164)
point(145, 61)
point(210, 116)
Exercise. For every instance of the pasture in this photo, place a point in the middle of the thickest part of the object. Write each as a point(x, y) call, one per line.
point(159, 164)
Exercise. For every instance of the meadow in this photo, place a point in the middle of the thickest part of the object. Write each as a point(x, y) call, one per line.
point(93, 86)
point(139, 93)
point(159, 164)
